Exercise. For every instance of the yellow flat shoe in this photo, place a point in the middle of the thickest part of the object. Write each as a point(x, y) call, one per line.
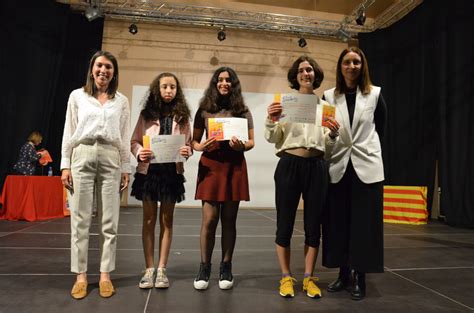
point(106, 289)
point(79, 290)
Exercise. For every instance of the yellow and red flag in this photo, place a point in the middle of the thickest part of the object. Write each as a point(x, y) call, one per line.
point(405, 205)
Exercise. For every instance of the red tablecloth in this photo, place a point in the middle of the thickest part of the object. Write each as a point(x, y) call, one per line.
point(32, 198)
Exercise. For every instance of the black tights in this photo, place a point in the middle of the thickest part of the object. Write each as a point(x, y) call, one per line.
point(211, 212)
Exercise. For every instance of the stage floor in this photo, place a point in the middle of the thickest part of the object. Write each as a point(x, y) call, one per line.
point(428, 268)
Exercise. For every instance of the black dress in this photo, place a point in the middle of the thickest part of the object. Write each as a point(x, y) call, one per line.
point(353, 222)
point(162, 182)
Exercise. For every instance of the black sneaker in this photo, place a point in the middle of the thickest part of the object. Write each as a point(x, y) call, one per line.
point(226, 280)
point(202, 279)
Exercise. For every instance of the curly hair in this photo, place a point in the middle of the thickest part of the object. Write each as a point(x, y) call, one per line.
point(293, 72)
point(212, 99)
point(154, 104)
point(364, 83)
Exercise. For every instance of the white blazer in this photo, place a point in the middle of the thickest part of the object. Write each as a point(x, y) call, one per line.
point(361, 143)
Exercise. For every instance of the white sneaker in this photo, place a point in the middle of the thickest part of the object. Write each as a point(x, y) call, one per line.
point(147, 280)
point(226, 284)
point(161, 279)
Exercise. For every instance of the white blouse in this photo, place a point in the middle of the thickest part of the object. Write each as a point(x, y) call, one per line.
point(88, 121)
point(286, 135)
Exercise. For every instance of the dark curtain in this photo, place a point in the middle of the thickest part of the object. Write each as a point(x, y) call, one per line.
point(44, 55)
point(425, 65)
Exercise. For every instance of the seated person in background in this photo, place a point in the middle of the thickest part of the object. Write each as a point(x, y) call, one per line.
point(28, 157)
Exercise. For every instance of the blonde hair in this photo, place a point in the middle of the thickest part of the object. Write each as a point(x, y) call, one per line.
point(35, 137)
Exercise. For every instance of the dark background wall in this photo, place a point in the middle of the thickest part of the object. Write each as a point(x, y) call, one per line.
point(425, 65)
point(44, 55)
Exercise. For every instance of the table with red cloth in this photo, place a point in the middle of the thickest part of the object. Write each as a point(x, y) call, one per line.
point(32, 198)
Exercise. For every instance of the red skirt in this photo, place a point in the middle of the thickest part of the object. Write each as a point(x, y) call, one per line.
point(222, 175)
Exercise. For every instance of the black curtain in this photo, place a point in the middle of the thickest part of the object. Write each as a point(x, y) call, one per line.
point(425, 65)
point(43, 56)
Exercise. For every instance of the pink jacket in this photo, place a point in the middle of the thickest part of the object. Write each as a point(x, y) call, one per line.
point(152, 128)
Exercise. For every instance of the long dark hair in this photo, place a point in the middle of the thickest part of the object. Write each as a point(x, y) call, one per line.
point(364, 83)
point(90, 87)
point(154, 105)
point(212, 99)
point(293, 72)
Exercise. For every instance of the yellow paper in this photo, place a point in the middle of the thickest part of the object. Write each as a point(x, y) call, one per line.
point(146, 142)
point(277, 97)
point(329, 112)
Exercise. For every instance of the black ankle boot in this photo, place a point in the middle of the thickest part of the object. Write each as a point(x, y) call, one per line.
point(358, 286)
point(342, 282)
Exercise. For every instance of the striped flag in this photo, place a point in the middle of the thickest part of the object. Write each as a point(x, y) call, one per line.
point(405, 205)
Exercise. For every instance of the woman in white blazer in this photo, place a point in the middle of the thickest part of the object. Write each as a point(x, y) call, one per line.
point(353, 226)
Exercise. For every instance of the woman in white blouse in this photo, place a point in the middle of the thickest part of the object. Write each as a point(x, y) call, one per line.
point(95, 153)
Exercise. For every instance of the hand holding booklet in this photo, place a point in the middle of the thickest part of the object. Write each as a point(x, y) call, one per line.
point(165, 148)
point(329, 112)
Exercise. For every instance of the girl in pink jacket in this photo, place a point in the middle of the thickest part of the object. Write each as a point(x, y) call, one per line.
point(165, 112)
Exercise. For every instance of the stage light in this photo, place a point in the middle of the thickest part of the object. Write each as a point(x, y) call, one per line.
point(302, 42)
point(342, 35)
point(92, 13)
point(221, 34)
point(361, 17)
point(133, 29)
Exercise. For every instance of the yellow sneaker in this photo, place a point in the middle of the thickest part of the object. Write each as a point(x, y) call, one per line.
point(309, 285)
point(286, 287)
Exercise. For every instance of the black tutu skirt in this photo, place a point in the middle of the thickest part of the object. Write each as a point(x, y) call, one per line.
point(161, 183)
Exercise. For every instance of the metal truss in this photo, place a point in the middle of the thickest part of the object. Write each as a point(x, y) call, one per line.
point(184, 14)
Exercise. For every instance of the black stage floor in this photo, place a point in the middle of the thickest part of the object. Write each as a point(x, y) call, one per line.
point(428, 268)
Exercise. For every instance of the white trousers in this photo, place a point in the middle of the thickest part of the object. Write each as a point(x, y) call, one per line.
point(94, 167)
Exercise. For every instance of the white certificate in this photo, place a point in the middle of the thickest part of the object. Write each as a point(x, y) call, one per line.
point(166, 148)
point(298, 108)
point(224, 128)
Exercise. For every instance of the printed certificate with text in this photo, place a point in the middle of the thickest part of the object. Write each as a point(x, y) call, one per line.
point(165, 148)
point(224, 128)
point(298, 108)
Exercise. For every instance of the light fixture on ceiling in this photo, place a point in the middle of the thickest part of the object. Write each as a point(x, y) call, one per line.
point(361, 17)
point(343, 35)
point(92, 12)
point(302, 42)
point(221, 34)
point(133, 29)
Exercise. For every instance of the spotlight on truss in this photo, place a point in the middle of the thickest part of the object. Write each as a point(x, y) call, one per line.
point(361, 17)
point(221, 34)
point(92, 13)
point(343, 35)
point(302, 42)
point(133, 29)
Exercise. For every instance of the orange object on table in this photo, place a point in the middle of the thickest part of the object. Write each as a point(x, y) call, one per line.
point(32, 198)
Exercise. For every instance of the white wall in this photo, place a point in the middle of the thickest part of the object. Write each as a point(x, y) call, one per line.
point(261, 160)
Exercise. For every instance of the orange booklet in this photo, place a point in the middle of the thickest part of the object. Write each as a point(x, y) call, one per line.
point(146, 142)
point(277, 97)
point(45, 157)
point(216, 129)
point(329, 111)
